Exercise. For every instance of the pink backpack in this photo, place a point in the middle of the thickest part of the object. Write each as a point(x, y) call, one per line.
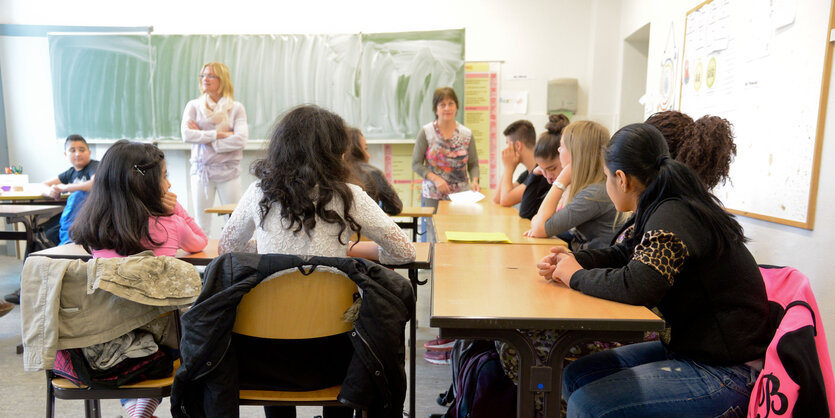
point(796, 379)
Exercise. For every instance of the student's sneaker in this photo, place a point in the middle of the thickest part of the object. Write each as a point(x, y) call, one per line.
point(437, 357)
point(439, 344)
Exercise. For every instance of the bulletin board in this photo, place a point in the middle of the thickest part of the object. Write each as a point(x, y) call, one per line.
point(764, 66)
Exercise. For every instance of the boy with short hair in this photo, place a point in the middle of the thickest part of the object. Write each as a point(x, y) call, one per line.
point(521, 139)
point(80, 175)
point(78, 178)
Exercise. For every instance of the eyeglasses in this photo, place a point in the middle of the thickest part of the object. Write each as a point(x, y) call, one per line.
point(209, 76)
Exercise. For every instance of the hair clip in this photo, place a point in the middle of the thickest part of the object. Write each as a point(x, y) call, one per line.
point(135, 167)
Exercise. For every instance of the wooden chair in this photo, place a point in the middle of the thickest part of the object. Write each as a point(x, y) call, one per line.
point(61, 388)
point(296, 306)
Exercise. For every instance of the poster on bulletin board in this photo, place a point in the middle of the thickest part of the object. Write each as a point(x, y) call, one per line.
point(481, 108)
point(765, 68)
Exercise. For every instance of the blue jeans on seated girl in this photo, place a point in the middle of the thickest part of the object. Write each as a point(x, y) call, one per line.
point(646, 379)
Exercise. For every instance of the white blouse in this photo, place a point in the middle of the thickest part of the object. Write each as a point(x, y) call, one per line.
point(275, 236)
point(217, 160)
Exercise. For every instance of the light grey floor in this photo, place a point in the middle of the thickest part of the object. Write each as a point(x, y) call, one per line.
point(24, 392)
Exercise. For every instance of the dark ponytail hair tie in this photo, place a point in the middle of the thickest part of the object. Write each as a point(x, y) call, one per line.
point(660, 160)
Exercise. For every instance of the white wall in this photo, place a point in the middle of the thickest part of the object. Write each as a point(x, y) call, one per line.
point(808, 251)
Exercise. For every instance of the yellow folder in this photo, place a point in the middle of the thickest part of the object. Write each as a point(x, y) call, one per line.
point(458, 236)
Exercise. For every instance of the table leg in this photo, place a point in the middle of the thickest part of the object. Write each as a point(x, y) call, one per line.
point(27, 227)
point(413, 277)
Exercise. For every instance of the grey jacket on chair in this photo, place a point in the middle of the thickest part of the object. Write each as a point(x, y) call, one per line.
point(73, 304)
point(206, 383)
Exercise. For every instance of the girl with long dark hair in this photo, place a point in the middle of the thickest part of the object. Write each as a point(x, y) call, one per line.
point(373, 181)
point(303, 204)
point(130, 210)
point(686, 256)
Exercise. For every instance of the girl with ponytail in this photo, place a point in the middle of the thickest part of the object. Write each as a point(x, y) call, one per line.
point(684, 255)
point(588, 213)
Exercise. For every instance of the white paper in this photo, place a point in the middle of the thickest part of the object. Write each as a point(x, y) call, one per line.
point(514, 102)
point(466, 197)
point(783, 13)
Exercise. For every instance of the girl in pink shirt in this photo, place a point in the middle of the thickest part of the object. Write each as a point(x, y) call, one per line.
point(130, 210)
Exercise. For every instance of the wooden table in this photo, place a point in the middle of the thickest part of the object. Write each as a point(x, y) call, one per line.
point(513, 226)
point(413, 213)
point(27, 215)
point(490, 291)
point(31, 194)
point(77, 252)
point(226, 209)
point(423, 260)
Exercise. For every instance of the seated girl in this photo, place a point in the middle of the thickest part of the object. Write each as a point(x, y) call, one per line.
point(686, 256)
point(588, 213)
point(373, 181)
point(546, 154)
point(130, 210)
point(705, 145)
point(302, 204)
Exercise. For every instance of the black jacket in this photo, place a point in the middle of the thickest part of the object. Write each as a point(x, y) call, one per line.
point(207, 382)
point(715, 305)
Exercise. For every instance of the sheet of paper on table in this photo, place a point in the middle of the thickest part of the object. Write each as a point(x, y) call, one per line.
point(468, 196)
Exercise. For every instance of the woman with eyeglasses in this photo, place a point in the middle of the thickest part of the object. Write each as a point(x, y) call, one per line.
point(215, 125)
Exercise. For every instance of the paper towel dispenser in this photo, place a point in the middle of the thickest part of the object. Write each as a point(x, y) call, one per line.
point(562, 95)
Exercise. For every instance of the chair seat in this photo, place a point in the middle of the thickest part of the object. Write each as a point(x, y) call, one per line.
point(65, 384)
point(321, 395)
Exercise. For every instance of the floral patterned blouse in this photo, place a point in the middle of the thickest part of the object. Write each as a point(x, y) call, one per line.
point(450, 158)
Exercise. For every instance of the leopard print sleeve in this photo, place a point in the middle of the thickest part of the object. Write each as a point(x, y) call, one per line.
point(663, 252)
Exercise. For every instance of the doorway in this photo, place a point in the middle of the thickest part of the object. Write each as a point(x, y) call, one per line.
point(634, 81)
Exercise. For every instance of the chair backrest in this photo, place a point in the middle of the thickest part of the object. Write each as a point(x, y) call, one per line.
point(796, 379)
point(297, 306)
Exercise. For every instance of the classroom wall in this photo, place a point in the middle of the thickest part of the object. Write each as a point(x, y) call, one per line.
point(808, 251)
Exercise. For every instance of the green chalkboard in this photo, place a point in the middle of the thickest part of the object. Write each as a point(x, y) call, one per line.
point(136, 86)
point(102, 86)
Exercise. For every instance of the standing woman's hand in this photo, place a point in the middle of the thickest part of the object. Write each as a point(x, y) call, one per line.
point(224, 134)
point(440, 184)
point(474, 185)
point(169, 201)
point(193, 125)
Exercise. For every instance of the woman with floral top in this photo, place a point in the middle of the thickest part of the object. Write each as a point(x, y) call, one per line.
point(445, 152)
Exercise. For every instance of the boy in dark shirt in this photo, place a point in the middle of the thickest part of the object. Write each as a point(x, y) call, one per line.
point(78, 178)
point(521, 138)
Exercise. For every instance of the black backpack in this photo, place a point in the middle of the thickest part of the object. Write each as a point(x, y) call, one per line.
point(479, 387)
point(72, 365)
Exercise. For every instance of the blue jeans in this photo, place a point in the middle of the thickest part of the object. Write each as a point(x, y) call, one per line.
point(646, 379)
point(426, 232)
